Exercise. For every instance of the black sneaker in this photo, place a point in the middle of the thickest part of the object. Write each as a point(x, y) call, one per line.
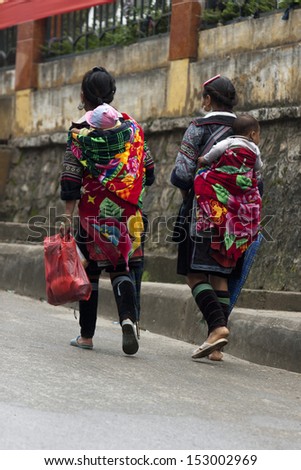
point(130, 344)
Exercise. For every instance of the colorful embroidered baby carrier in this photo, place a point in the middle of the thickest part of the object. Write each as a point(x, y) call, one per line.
point(112, 186)
point(228, 204)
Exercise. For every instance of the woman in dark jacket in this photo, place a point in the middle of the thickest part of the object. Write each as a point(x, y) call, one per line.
point(206, 277)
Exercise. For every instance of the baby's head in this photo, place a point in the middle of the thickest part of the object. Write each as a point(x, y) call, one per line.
point(103, 117)
point(247, 126)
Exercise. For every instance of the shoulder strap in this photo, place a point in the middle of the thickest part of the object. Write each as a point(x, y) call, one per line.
point(225, 123)
point(215, 137)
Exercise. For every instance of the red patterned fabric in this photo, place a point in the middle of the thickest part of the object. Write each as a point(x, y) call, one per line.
point(111, 190)
point(229, 204)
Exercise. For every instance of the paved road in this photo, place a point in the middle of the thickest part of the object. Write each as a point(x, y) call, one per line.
point(54, 396)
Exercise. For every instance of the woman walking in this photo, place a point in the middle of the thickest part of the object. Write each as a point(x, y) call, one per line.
point(206, 277)
point(104, 172)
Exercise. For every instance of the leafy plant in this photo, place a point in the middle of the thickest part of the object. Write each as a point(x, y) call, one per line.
point(119, 35)
point(227, 10)
point(211, 16)
point(86, 41)
point(288, 3)
point(57, 47)
point(230, 11)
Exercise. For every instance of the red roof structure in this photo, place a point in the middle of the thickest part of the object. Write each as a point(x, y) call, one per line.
point(14, 12)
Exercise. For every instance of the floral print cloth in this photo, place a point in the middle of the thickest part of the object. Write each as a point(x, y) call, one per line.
point(228, 204)
point(112, 189)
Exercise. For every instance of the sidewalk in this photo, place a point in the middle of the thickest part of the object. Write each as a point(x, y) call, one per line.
point(270, 337)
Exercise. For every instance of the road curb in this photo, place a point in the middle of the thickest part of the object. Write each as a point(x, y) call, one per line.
point(268, 337)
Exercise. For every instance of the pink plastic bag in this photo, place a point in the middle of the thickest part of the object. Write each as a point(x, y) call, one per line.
point(66, 278)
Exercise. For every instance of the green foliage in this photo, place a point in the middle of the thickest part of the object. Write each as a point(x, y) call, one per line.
point(287, 3)
point(227, 10)
point(89, 41)
point(211, 16)
point(57, 47)
point(262, 6)
point(120, 35)
point(230, 11)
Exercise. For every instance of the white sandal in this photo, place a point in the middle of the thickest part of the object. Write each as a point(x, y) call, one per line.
point(207, 348)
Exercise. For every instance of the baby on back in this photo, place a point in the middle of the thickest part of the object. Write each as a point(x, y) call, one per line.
point(104, 117)
point(246, 131)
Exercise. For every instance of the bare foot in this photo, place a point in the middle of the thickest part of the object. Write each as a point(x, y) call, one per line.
point(215, 341)
point(218, 333)
point(216, 356)
point(86, 341)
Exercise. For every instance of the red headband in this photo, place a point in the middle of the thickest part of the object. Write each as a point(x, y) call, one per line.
point(211, 80)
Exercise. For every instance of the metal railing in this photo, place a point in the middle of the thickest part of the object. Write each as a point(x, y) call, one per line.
point(120, 23)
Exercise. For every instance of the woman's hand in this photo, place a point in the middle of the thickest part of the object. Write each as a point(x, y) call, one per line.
point(201, 161)
point(66, 218)
point(75, 130)
point(66, 224)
